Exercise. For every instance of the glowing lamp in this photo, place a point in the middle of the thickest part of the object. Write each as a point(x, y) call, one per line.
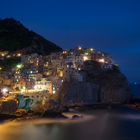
point(4, 91)
point(19, 54)
point(2, 54)
point(102, 60)
point(79, 48)
point(85, 58)
point(64, 52)
point(54, 91)
point(35, 87)
point(79, 69)
point(91, 49)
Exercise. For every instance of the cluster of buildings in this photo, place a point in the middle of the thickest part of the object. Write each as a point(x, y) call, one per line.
point(6, 54)
point(46, 74)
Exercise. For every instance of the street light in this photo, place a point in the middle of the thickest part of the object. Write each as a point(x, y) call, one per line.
point(4, 91)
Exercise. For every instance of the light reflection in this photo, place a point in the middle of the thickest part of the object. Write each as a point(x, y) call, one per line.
point(40, 129)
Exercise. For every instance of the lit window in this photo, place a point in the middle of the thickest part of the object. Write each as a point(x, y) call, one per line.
point(85, 58)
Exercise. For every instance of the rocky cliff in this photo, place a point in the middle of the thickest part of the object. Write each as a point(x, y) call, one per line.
point(79, 93)
point(99, 86)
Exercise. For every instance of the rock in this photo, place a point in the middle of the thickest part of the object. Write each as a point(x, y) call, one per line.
point(76, 117)
point(21, 112)
point(113, 85)
point(78, 93)
point(101, 86)
point(53, 114)
point(52, 105)
point(6, 117)
point(65, 109)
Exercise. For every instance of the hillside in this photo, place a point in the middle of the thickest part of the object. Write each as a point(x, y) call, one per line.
point(15, 37)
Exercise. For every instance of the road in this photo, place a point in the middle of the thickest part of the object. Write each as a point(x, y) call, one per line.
point(114, 124)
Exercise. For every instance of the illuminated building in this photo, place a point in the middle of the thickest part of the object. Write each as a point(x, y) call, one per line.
point(43, 85)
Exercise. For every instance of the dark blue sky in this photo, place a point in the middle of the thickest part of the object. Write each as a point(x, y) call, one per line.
point(108, 25)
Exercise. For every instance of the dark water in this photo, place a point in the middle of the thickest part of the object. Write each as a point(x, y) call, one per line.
point(115, 124)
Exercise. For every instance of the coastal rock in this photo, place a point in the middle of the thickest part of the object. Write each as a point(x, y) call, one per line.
point(4, 117)
point(78, 93)
point(100, 86)
point(53, 114)
point(114, 88)
point(76, 117)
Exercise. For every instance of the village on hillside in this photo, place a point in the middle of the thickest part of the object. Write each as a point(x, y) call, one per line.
point(37, 77)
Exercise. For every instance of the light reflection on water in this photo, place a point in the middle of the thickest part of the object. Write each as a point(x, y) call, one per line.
point(29, 132)
point(41, 129)
point(97, 125)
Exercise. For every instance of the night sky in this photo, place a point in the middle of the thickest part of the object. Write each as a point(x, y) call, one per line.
point(107, 25)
